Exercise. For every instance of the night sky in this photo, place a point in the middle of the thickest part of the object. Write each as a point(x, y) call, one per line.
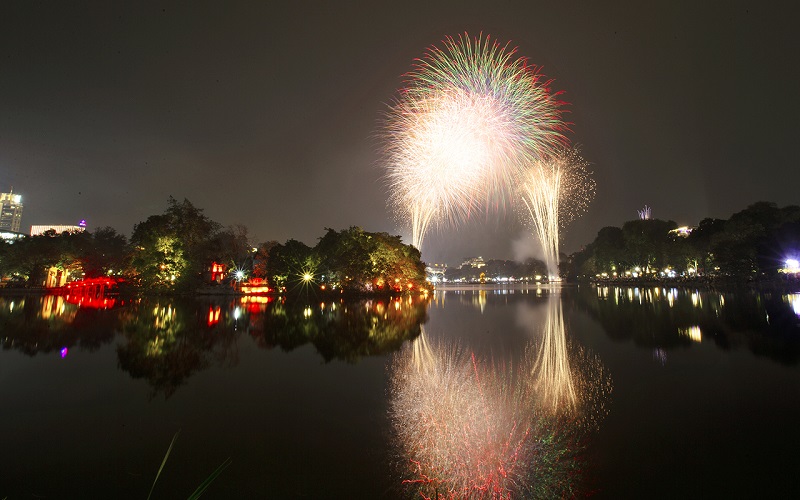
point(267, 115)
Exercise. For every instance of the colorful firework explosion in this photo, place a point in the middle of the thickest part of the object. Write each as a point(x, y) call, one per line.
point(471, 116)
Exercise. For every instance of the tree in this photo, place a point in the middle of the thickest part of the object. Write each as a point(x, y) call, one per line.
point(351, 260)
point(261, 259)
point(290, 263)
point(104, 251)
point(173, 250)
point(609, 249)
point(646, 241)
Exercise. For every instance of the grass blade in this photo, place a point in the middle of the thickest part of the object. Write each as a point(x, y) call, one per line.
point(166, 456)
point(202, 488)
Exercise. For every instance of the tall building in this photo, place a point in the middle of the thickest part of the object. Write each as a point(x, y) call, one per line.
point(10, 211)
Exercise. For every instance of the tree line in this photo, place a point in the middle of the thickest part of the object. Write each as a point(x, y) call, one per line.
point(753, 243)
point(174, 252)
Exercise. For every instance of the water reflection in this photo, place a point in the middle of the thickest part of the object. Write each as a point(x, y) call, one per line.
point(340, 330)
point(793, 299)
point(478, 296)
point(568, 379)
point(470, 428)
point(766, 323)
point(166, 340)
point(551, 370)
point(36, 324)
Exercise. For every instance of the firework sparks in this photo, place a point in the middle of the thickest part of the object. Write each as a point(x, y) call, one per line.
point(551, 371)
point(462, 429)
point(468, 429)
point(471, 116)
point(554, 192)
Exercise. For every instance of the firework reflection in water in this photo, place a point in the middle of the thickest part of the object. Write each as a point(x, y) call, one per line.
point(467, 428)
point(568, 381)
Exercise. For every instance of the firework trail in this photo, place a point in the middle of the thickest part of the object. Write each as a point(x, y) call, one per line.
point(555, 191)
point(471, 116)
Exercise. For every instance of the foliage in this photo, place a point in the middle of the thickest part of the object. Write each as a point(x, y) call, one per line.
point(753, 242)
point(290, 263)
point(351, 260)
point(87, 254)
point(173, 251)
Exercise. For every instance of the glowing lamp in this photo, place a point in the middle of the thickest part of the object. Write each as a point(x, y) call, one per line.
point(792, 266)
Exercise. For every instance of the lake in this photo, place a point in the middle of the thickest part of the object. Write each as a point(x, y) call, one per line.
point(553, 390)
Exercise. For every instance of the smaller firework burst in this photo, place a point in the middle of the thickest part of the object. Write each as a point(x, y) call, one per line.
point(555, 191)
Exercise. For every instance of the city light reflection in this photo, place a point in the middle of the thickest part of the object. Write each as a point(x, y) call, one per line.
point(793, 299)
point(692, 332)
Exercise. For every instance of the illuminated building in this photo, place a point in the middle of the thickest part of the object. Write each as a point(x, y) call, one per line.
point(435, 273)
point(475, 262)
point(58, 228)
point(217, 272)
point(55, 278)
point(681, 232)
point(11, 236)
point(10, 211)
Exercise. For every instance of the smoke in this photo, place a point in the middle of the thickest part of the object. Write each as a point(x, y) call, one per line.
point(527, 246)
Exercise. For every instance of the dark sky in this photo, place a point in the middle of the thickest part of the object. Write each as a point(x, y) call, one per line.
point(267, 115)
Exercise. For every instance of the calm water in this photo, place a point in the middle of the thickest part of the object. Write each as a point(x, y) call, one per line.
point(705, 399)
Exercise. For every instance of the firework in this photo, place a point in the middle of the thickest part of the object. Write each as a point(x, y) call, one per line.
point(463, 429)
point(471, 116)
point(555, 191)
point(567, 380)
point(551, 372)
point(469, 429)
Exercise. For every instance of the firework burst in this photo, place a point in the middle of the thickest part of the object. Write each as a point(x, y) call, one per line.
point(555, 190)
point(471, 116)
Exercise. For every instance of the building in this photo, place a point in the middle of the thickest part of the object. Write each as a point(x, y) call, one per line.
point(474, 262)
point(681, 232)
point(10, 211)
point(11, 236)
point(58, 228)
point(435, 273)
